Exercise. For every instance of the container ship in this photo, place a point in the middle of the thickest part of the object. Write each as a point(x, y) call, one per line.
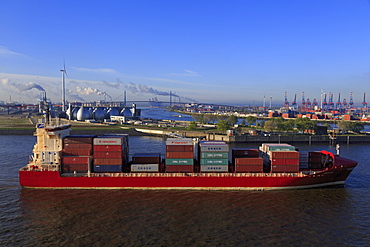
point(64, 161)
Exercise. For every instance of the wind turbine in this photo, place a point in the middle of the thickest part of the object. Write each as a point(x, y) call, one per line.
point(64, 72)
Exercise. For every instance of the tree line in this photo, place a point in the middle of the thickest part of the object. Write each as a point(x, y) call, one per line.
point(225, 122)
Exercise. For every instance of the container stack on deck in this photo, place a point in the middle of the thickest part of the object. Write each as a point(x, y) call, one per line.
point(110, 153)
point(77, 153)
point(179, 155)
point(146, 162)
point(214, 156)
point(246, 160)
point(280, 157)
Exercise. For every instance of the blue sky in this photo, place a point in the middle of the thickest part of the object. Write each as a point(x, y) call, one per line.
point(229, 52)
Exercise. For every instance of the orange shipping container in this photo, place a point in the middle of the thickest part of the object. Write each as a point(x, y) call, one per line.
point(179, 155)
point(283, 155)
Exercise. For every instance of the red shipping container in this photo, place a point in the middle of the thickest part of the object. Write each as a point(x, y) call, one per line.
point(108, 162)
point(76, 152)
point(75, 167)
point(179, 148)
point(285, 162)
point(248, 168)
point(284, 155)
point(108, 155)
point(179, 155)
point(76, 159)
point(249, 161)
point(284, 168)
point(242, 152)
point(179, 168)
point(79, 139)
point(108, 148)
point(77, 146)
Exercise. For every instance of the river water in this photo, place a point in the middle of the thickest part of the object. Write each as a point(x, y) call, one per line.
point(315, 217)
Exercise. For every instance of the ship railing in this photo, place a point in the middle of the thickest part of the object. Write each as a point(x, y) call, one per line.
point(142, 174)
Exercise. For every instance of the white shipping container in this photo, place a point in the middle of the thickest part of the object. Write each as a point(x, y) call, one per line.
point(214, 168)
point(145, 168)
point(214, 148)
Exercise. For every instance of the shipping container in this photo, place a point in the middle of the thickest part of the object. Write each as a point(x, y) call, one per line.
point(214, 161)
point(283, 154)
point(108, 148)
point(109, 162)
point(214, 155)
point(179, 148)
point(145, 168)
point(266, 147)
point(179, 168)
point(248, 161)
point(179, 161)
point(284, 162)
point(146, 158)
point(214, 168)
point(107, 168)
point(76, 152)
point(79, 139)
point(75, 168)
point(108, 155)
point(284, 168)
point(110, 140)
point(179, 141)
point(213, 146)
point(242, 152)
point(179, 155)
point(249, 168)
point(77, 146)
point(76, 159)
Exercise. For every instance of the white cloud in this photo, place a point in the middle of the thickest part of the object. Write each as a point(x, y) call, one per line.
point(187, 73)
point(100, 70)
point(5, 51)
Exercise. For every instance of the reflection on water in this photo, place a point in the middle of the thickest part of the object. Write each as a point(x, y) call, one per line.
point(130, 217)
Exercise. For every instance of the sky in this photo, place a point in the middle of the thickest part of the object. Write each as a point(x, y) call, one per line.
point(234, 52)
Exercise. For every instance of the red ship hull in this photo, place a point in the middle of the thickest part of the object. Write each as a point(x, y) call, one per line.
point(216, 181)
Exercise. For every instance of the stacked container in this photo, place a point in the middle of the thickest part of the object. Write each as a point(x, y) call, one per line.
point(77, 153)
point(281, 157)
point(214, 156)
point(146, 162)
point(179, 155)
point(110, 153)
point(246, 160)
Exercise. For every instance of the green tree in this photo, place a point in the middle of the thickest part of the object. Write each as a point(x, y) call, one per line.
point(192, 126)
point(269, 125)
point(251, 120)
point(243, 122)
point(346, 126)
point(198, 117)
point(303, 124)
point(232, 119)
point(209, 118)
point(223, 125)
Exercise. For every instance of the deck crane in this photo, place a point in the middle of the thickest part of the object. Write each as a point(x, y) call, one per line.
point(324, 103)
point(308, 104)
